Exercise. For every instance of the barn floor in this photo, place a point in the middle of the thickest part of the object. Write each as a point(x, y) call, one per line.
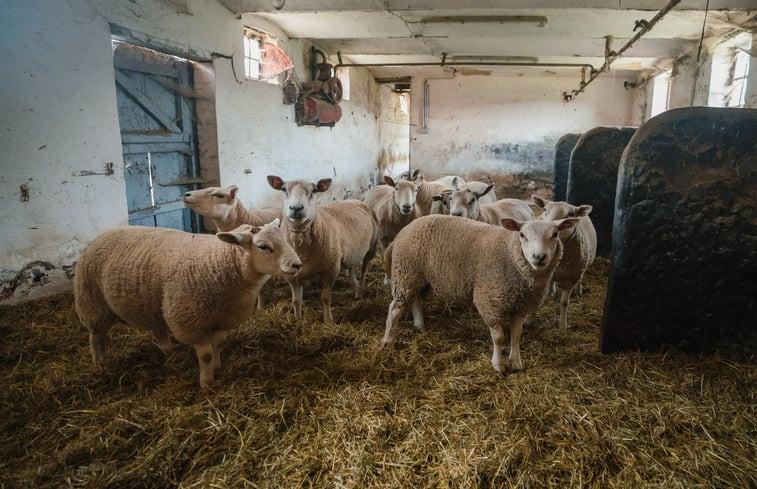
point(300, 404)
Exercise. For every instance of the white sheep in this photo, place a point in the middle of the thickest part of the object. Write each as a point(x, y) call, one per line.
point(429, 189)
point(394, 206)
point(222, 205)
point(503, 270)
point(327, 237)
point(579, 248)
point(197, 286)
point(487, 195)
point(466, 203)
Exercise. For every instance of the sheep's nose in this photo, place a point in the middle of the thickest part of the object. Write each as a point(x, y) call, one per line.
point(457, 213)
point(406, 208)
point(296, 208)
point(539, 258)
point(187, 194)
point(297, 266)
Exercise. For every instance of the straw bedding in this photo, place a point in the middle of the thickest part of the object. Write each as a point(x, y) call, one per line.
point(301, 404)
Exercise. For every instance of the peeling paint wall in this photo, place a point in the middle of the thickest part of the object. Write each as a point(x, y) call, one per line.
point(498, 126)
point(394, 132)
point(59, 128)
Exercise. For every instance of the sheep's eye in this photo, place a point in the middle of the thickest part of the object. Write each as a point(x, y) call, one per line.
point(523, 236)
point(218, 196)
point(554, 235)
point(571, 214)
point(470, 202)
point(263, 247)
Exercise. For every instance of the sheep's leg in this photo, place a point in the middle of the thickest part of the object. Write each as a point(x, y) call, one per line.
point(355, 282)
point(581, 287)
point(163, 341)
point(417, 309)
point(204, 353)
point(362, 288)
point(218, 338)
point(98, 340)
point(396, 311)
point(261, 302)
point(564, 303)
point(498, 339)
point(328, 284)
point(516, 328)
point(297, 287)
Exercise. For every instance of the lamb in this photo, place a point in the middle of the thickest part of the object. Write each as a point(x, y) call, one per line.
point(197, 286)
point(225, 209)
point(394, 206)
point(326, 237)
point(440, 202)
point(465, 203)
point(503, 270)
point(579, 249)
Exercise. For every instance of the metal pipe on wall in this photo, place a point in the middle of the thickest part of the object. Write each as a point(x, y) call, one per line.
point(611, 56)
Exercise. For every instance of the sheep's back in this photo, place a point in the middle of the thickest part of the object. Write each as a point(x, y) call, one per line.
point(352, 225)
point(450, 254)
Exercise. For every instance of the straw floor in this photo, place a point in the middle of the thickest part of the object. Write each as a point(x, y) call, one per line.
point(302, 404)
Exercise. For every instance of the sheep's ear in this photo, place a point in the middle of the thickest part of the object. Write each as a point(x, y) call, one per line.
point(233, 189)
point(485, 191)
point(565, 224)
point(323, 185)
point(416, 174)
point(455, 184)
point(511, 224)
point(235, 237)
point(389, 181)
point(583, 210)
point(539, 201)
point(275, 182)
point(275, 223)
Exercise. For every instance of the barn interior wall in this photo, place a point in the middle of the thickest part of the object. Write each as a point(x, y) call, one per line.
point(480, 126)
point(394, 133)
point(60, 128)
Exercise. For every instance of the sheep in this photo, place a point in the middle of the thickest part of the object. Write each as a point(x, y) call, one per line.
point(487, 197)
point(394, 206)
point(326, 237)
point(227, 212)
point(579, 249)
point(503, 270)
point(440, 202)
point(197, 286)
point(429, 189)
point(465, 203)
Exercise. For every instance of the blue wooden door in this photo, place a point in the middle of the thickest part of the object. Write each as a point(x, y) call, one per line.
point(156, 114)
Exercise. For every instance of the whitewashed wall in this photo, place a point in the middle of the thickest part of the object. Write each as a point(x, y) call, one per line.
point(59, 121)
point(488, 125)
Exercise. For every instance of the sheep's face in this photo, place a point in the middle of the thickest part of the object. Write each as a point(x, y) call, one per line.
point(539, 240)
point(300, 199)
point(267, 248)
point(464, 203)
point(213, 202)
point(554, 211)
point(404, 196)
point(441, 202)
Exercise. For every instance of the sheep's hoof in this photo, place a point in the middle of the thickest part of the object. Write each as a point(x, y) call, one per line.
point(386, 344)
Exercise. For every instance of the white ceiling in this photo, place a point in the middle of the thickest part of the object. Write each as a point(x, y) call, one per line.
point(393, 31)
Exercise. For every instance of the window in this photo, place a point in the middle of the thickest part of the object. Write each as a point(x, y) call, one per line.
point(660, 93)
point(730, 68)
point(263, 59)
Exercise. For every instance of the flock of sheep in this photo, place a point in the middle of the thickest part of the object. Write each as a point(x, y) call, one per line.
point(501, 259)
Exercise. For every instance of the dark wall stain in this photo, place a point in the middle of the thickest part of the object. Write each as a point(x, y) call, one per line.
point(34, 274)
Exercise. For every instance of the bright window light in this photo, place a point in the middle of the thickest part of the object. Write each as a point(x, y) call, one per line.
point(660, 93)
